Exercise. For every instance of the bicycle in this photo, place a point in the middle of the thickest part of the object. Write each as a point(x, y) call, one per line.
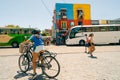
point(48, 58)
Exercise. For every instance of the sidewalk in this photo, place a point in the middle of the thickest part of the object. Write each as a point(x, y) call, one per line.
point(75, 64)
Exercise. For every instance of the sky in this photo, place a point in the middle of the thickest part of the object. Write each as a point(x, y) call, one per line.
point(38, 13)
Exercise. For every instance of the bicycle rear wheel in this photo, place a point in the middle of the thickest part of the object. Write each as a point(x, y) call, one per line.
point(52, 67)
point(23, 63)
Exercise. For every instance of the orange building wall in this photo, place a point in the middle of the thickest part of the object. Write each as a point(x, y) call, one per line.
point(86, 22)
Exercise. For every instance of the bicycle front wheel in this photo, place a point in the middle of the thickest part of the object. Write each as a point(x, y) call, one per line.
point(47, 53)
point(23, 63)
point(52, 67)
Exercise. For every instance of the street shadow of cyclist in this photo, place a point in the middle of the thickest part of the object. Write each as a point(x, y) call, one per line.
point(42, 77)
point(39, 77)
point(20, 75)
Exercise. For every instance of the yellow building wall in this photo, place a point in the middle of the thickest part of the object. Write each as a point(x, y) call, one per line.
point(85, 8)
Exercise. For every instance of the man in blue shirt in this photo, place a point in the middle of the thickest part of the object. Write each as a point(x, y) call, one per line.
point(38, 46)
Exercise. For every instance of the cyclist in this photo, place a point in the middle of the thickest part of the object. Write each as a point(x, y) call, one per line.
point(38, 46)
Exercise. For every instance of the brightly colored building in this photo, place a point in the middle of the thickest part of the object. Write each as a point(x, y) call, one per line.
point(67, 16)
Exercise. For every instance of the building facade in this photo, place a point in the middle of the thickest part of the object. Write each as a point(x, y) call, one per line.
point(67, 16)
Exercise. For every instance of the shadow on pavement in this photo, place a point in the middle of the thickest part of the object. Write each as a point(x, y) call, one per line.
point(93, 57)
point(38, 77)
point(20, 75)
point(42, 77)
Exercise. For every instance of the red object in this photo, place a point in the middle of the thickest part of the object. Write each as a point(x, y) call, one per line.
point(86, 22)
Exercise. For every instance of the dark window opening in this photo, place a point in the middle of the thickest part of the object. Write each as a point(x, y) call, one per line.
point(80, 14)
point(80, 23)
point(63, 13)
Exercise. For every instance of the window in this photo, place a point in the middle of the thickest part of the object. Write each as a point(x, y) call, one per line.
point(114, 28)
point(118, 28)
point(72, 24)
point(64, 25)
point(96, 29)
point(63, 13)
point(80, 23)
point(20, 31)
point(74, 31)
point(80, 13)
point(111, 28)
point(12, 31)
point(5, 31)
point(89, 29)
point(25, 31)
point(0, 31)
point(103, 28)
point(83, 29)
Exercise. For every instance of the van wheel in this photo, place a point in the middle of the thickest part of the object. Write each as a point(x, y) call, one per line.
point(15, 44)
point(81, 42)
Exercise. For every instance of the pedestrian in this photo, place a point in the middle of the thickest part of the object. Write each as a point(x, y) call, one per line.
point(91, 45)
point(86, 44)
point(38, 46)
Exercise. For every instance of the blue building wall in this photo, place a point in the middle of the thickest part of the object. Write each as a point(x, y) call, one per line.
point(69, 8)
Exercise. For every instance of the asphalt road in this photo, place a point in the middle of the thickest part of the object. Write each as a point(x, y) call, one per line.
point(75, 64)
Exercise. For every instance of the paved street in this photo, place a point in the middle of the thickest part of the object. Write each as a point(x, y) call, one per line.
point(75, 64)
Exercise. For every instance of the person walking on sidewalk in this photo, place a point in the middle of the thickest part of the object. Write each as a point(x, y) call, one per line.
point(86, 44)
point(91, 45)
